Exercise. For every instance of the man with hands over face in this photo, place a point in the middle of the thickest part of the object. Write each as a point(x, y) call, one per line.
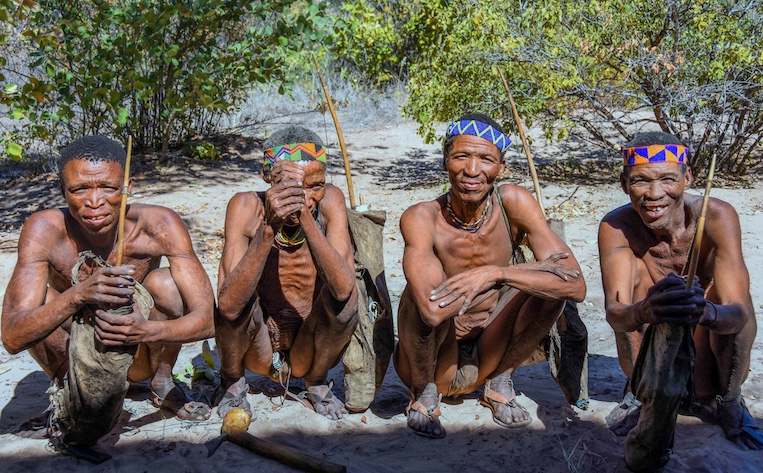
point(286, 289)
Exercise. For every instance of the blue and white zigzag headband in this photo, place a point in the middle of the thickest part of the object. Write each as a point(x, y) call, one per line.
point(480, 130)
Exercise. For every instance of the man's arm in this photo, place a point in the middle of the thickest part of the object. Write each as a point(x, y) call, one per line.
point(244, 256)
point(332, 252)
point(618, 275)
point(667, 300)
point(423, 270)
point(535, 279)
point(168, 232)
point(555, 274)
point(731, 308)
point(27, 319)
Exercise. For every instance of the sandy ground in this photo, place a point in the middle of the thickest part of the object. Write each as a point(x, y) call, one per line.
point(392, 169)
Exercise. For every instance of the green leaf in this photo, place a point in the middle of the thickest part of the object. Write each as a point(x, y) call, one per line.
point(122, 116)
point(14, 150)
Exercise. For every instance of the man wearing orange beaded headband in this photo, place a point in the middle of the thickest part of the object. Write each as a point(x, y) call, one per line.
point(286, 288)
point(658, 321)
point(471, 313)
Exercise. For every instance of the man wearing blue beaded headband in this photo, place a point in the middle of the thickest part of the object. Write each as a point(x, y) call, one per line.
point(286, 288)
point(658, 321)
point(471, 313)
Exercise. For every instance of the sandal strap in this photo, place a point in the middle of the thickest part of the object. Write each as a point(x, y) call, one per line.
point(491, 395)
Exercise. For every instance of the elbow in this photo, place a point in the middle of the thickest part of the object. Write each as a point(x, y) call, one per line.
point(431, 318)
point(226, 311)
point(11, 347)
point(345, 292)
point(578, 295)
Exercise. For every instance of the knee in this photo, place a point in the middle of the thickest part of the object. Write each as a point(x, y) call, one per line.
point(162, 287)
point(348, 315)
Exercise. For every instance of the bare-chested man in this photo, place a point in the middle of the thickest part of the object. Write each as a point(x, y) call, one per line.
point(42, 304)
point(287, 297)
point(470, 314)
point(643, 247)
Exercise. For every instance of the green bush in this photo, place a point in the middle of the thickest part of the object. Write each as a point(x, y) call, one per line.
point(161, 71)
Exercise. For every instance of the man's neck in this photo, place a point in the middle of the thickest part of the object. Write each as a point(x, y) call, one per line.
point(469, 212)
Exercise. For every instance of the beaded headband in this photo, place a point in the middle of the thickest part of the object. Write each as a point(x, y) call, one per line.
point(655, 154)
point(480, 130)
point(295, 152)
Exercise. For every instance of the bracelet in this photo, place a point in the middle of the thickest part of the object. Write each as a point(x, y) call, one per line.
point(709, 304)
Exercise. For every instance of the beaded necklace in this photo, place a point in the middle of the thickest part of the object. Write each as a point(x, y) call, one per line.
point(473, 226)
point(283, 240)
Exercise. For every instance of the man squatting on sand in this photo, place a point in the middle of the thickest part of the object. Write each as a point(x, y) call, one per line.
point(470, 314)
point(644, 246)
point(287, 297)
point(43, 302)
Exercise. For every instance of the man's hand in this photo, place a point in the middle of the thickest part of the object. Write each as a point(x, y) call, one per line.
point(468, 285)
point(118, 330)
point(552, 265)
point(286, 197)
point(670, 301)
point(108, 286)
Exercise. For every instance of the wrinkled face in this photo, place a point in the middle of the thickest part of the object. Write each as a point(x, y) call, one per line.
point(656, 192)
point(93, 191)
point(473, 166)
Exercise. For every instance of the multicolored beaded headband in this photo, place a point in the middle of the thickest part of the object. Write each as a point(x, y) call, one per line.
point(480, 130)
point(655, 154)
point(295, 152)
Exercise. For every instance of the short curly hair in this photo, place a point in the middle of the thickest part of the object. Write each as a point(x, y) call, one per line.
point(92, 148)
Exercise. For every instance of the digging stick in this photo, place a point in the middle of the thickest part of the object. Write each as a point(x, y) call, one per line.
point(234, 429)
point(123, 207)
point(339, 134)
point(525, 146)
point(697, 245)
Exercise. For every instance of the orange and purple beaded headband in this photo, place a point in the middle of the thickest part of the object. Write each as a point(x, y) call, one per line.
point(295, 152)
point(655, 154)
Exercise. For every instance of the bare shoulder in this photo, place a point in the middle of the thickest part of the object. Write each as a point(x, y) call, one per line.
point(722, 222)
point(621, 217)
point(43, 228)
point(720, 209)
point(512, 195)
point(244, 200)
point(243, 208)
point(152, 216)
point(423, 213)
point(333, 198)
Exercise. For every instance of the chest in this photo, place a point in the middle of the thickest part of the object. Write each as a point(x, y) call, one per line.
point(460, 250)
point(292, 268)
point(68, 256)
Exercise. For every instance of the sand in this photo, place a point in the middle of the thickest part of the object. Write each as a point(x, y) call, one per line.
point(392, 169)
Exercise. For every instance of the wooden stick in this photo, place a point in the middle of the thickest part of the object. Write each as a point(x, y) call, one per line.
point(342, 146)
point(525, 146)
point(697, 245)
point(234, 429)
point(123, 207)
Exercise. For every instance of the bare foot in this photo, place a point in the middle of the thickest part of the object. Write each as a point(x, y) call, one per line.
point(423, 413)
point(499, 396)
